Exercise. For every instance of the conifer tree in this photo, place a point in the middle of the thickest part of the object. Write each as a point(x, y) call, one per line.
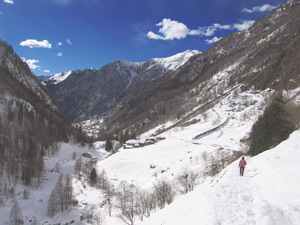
point(15, 216)
point(52, 208)
point(273, 127)
point(78, 167)
point(93, 177)
point(68, 191)
point(59, 189)
point(108, 145)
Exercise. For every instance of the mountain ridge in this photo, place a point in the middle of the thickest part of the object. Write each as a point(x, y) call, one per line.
point(215, 96)
point(264, 56)
point(84, 94)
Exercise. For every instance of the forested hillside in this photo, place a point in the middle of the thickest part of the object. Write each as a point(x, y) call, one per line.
point(30, 125)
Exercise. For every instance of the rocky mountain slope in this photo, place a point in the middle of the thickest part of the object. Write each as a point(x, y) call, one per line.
point(14, 65)
point(264, 56)
point(85, 94)
point(30, 125)
point(131, 98)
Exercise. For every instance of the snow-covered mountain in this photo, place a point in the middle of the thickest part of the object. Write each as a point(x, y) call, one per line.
point(264, 56)
point(267, 194)
point(84, 94)
point(20, 71)
point(175, 61)
point(192, 126)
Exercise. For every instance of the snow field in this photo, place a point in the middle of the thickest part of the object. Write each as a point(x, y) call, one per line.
point(268, 194)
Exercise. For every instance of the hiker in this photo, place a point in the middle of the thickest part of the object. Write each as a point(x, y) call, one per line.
point(242, 165)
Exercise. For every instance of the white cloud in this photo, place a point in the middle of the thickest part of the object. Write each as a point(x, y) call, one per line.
point(31, 63)
point(210, 30)
point(171, 29)
point(32, 43)
point(244, 25)
point(214, 40)
point(46, 71)
point(263, 8)
point(59, 43)
point(222, 27)
point(59, 54)
point(9, 1)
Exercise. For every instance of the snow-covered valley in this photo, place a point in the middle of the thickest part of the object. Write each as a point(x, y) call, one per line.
point(267, 194)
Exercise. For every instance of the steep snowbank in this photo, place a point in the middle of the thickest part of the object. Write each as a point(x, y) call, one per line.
point(268, 194)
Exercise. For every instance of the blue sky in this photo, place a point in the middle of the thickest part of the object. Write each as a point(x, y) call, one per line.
point(60, 35)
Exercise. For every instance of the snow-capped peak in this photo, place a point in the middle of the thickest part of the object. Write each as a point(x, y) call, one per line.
point(59, 77)
point(175, 61)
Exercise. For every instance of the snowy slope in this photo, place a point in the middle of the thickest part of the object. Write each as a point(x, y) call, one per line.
point(268, 194)
point(175, 61)
point(59, 77)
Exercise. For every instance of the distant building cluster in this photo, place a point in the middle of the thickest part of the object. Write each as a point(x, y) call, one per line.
point(133, 143)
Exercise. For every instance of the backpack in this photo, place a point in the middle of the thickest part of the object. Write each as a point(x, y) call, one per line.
point(242, 163)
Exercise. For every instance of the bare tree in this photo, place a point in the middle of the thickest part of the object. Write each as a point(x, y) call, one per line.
point(146, 203)
point(87, 168)
point(186, 180)
point(109, 193)
point(224, 157)
point(89, 212)
point(122, 194)
point(127, 198)
point(204, 156)
point(214, 166)
point(102, 181)
point(164, 193)
point(98, 218)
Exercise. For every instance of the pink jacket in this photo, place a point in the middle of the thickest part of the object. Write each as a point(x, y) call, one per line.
point(242, 164)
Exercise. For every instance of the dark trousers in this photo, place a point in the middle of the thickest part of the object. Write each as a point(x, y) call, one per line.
point(242, 171)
